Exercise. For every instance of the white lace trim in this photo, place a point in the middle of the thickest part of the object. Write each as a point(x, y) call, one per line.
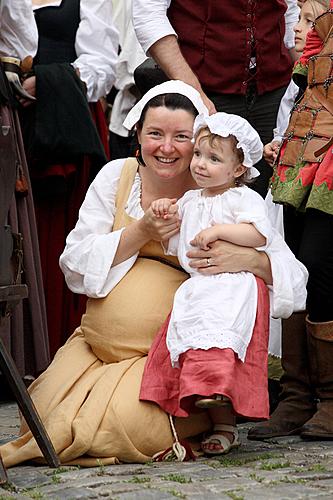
point(133, 207)
point(207, 340)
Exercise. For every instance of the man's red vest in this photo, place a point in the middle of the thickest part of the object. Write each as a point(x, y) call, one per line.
point(215, 39)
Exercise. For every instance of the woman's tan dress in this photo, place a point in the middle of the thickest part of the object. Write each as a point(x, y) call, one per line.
point(88, 398)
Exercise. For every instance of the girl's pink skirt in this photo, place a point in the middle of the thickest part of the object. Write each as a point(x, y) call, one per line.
point(212, 371)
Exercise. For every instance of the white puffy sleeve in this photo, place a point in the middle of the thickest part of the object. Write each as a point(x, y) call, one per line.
point(96, 46)
point(18, 30)
point(288, 293)
point(151, 22)
point(91, 246)
point(251, 208)
point(286, 105)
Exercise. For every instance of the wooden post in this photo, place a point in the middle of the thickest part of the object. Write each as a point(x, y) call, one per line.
point(27, 407)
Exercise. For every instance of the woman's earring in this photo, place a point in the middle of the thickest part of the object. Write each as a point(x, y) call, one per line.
point(138, 156)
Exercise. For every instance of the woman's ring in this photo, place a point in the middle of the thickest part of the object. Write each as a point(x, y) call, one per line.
point(208, 261)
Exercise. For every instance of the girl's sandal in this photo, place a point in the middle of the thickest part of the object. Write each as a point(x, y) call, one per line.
point(220, 439)
point(217, 401)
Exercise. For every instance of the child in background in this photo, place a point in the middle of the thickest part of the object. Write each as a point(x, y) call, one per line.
point(310, 9)
point(302, 183)
point(217, 313)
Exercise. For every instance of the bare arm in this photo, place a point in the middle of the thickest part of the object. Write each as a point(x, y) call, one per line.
point(226, 257)
point(137, 234)
point(168, 56)
point(243, 234)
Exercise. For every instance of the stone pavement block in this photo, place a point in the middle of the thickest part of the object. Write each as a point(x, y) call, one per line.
point(147, 494)
point(29, 476)
point(283, 493)
point(9, 421)
point(5, 495)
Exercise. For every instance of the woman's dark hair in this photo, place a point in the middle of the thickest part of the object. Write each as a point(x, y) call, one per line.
point(169, 101)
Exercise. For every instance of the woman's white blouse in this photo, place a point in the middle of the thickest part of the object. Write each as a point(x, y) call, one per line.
point(91, 246)
point(96, 46)
point(18, 30)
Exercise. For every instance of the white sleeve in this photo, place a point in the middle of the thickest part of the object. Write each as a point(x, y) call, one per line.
point(131, 54)
point(91, 246)
point(151, 22)
point(275, 213)
point(96, 46)
point(130, 57)
point(251, 208)
point(288, 292)
point(18, 30)
point(291, 18)
point(286, 105)
point(173, 244)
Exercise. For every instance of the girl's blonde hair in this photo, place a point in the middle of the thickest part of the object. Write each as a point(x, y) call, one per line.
point(215, 140)
point(318, 6)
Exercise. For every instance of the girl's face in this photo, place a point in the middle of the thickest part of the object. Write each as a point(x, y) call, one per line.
point(165, 139)
point(215, 168)
point(309, 11)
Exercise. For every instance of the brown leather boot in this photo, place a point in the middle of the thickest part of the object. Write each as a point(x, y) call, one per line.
point(320, 346)
point(296, 404)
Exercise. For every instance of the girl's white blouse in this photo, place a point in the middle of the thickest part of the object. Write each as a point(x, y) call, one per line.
point(96, 46)
point(91, 246)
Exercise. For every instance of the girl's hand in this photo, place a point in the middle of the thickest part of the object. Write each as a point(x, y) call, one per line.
point(204, 238)
point(157, 228)
point(164, 207)
point(271, 151)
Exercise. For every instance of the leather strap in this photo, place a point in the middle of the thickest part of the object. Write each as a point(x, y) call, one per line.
point(322, 99)
point(329, 106)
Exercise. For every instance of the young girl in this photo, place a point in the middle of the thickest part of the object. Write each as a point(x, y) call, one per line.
point(302, 183)
point(214, 315)
point(310, 10)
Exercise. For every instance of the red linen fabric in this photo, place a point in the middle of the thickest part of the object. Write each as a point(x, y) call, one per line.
point(215, 371)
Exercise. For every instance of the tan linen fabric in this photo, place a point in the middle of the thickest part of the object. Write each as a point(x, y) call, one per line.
point(88, 398)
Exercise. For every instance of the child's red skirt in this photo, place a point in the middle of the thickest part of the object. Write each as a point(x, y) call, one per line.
point(212, 371)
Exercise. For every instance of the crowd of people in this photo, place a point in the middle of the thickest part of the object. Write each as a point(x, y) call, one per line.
point(161, 284)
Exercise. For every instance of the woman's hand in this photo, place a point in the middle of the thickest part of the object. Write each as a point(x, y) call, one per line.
point(30, 86)
point(137, 234)
point(158, 228)
point(225, 257)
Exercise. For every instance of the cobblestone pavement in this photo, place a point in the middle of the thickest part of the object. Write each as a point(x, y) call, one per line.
point(285, 468)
